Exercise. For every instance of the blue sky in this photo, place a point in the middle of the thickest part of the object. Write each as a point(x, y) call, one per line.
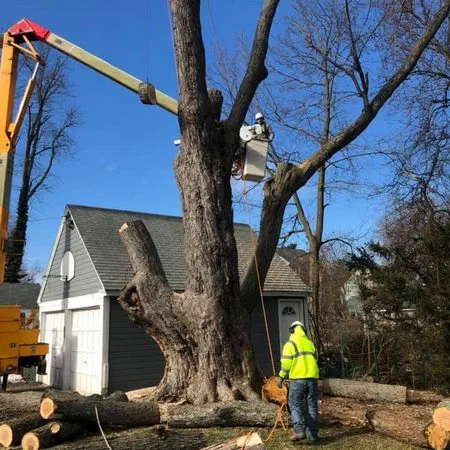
point(124, 150)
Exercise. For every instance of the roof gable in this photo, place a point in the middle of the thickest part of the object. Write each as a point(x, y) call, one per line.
point(99, 229)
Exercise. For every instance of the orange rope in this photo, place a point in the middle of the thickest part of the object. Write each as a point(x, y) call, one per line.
point(259, 282)
point(278, 418)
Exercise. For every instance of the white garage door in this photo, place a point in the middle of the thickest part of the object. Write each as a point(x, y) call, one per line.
point(54, 336)
point(85, 357)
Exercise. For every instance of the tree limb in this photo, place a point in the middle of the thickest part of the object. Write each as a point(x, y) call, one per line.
point(326, 151)
point(256, 70)
point(288, 179)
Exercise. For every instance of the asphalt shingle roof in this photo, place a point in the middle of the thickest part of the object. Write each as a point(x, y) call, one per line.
point(99, 227)
point(23, 294)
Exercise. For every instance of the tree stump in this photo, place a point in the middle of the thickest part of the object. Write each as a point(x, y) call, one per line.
point(51, 434)
point(11, 432)
point(110, 413)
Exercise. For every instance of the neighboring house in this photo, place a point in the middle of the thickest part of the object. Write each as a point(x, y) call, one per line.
point(352, 298)
point(94, 347)
point(23, 294)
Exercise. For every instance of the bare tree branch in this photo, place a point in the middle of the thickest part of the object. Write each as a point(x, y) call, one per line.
point(256, 70)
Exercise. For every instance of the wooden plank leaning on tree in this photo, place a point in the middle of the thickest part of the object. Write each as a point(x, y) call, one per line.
point(12, 431)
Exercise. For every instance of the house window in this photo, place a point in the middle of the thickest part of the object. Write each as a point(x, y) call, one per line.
point(288, 311)
point(67, 270)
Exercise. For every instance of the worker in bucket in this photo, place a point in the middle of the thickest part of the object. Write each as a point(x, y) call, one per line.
point(299, 366)
point(261, 129)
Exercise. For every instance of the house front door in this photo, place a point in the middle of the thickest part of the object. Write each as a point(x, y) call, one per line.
point(289, 311)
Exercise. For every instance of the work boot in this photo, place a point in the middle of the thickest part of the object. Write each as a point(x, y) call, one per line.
point(297, 437)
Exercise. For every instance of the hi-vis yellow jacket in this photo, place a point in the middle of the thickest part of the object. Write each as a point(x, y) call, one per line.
point(298, 360)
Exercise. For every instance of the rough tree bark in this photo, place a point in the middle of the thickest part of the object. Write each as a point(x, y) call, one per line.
point(204, 332)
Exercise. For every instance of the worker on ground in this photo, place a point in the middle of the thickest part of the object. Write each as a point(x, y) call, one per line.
point(299, 366)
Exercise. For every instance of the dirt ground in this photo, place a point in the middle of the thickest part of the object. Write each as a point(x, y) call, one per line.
point(25, 398)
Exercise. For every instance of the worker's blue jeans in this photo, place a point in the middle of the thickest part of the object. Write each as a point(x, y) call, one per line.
point(303, 405)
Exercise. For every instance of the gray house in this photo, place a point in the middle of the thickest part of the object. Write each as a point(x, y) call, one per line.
point(94, 347)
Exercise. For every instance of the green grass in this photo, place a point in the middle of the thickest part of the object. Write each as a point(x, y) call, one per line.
point(337, 437)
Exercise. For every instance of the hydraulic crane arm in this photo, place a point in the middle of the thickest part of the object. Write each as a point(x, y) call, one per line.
point(27, 29)
point(18, 39)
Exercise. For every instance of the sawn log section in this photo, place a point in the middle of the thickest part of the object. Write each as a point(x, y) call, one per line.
point(110, 413)
point(11, 432)
point(51, 434)
point(383, 393)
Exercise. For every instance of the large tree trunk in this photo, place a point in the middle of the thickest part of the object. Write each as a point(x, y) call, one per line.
point(203, 333)
point(229, 414)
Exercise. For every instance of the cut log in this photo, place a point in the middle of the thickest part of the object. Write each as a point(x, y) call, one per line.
point(12, 432)
point(51, 434)
point(347, 412)
point(227, 414)
point(117, 396)
point(249, 441)
point(141, 439)
point(63, 395)
point(405, 423)
point(437, 437)
point(441, 415)
point(438, 432)
point(110, 413)
point(377, 392)
point(422, 397)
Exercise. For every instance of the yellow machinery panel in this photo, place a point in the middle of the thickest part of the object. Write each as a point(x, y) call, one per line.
point(9, 344)
point(29, 336)
point(7, 363)
point(19, 347)
point(33, 350)
point(7, 327)
point(9, 313)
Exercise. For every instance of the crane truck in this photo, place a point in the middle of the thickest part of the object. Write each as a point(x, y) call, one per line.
point(18, 40)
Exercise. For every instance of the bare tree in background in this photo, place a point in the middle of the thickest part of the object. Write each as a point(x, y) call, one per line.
point(204, 332)
point(45, 138)
point(420, 156)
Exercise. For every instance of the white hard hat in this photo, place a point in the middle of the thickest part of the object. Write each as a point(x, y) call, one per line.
point(259, 115)
point(297, 322)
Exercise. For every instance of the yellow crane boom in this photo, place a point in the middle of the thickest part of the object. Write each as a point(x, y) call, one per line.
point(18, 39)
